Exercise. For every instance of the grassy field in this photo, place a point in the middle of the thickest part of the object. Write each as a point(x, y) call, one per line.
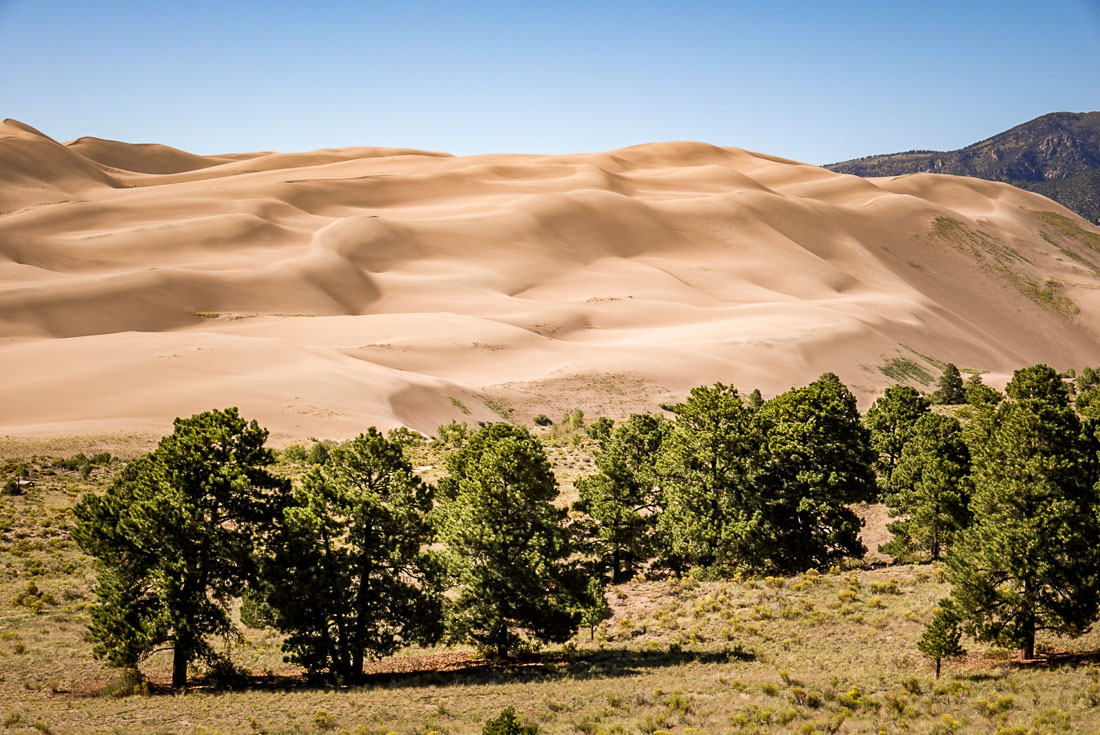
point(816, 653)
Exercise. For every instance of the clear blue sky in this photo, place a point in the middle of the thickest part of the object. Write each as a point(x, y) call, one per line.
point(817, 80)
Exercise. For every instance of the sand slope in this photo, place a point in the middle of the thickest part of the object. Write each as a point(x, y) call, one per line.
point(326, 291)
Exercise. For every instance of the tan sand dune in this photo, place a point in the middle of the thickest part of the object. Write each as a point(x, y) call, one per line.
point(326, 291)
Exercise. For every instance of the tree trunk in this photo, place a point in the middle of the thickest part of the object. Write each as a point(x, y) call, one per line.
point(1028, 649)
point(181, 655)
point(938, 662)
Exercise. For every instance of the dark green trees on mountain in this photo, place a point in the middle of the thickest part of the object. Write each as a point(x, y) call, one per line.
point(929, 493)
point(508, 549)
point(941, 639)
point(623, 498)
point(351, 578)
point(1029, 562)
point(173, 540)
point(890, 420)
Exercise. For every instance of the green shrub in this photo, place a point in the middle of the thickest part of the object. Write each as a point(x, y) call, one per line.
point(507, 723)
point(127, 683)
point(543, 420)
point(294, 453)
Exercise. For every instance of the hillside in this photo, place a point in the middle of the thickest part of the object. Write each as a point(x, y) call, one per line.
point(326, 291)
point(1056, 155)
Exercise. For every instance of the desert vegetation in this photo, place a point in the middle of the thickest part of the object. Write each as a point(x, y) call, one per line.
point(710, 571)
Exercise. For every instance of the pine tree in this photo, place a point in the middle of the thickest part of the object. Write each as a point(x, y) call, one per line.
point(174, 539)
point(950, 391)
point(816, 460)
point(1029, 561)
point(708, 461)
point(979, 394)
point(352, 577)
point(594, 608)
point(891, 419)
point(508, 548)
point(930, 491)
point(623, 498)
point(940, 639)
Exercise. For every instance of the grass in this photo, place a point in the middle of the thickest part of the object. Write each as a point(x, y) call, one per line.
point(904, 370)
point(1070, 228)
point(813, 653)
point(1050, 295)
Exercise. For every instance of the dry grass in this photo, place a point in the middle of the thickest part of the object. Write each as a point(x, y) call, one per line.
point(814, 653)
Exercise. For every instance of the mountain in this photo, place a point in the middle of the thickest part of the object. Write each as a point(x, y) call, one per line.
point(1056, 155)
point(326, 291)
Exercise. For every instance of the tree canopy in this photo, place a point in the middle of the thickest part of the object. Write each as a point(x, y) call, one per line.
point(174, 539)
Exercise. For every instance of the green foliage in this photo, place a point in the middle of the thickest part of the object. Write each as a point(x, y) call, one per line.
point(755, 399)
point(1029, 562)
point(622, 499)
point(351, 577)
point(173, 539)
point(294, 453)
point(452, 435)
point(600, 429)
point(890, 420)
point(979, 394)
point(941, 638)
point(930, 489)
point(708, 461)
point(506, 544)
point(817, 460)
point(768, 490)
point(508, 723)
point(950, 390)
point(405, 437)
point(543, 420)
point(319, 452)
point(594, 608)
point(256, 611)
point(902, 369)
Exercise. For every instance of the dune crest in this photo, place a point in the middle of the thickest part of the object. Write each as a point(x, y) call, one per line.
point(326, 291)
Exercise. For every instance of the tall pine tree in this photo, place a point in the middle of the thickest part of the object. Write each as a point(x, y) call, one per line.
point(508, 548)
point(174, 539)
point(1029, 562)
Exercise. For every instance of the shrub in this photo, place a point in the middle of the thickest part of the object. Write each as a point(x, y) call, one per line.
point(543, 420)
point(294, 453)
point(507, 723)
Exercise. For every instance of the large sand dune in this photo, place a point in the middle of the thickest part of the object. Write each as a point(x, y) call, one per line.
point(323, 292)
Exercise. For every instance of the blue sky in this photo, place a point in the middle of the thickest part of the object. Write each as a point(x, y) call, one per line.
point(817, 81)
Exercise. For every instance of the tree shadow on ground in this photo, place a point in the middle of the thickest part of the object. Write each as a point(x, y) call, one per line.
point(465, 669)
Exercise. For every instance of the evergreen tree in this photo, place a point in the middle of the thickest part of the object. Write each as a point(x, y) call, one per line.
point(930, 491)
point(594, 608)
point(173, 539)
point(950, 391)
point(1029, 561)
point(506, 543)
point(979, 394)
point(623, 498)
point(351, 577)
point(940, 639)
point(890, 420)
point(816, 460)
point(756, 399)
point(711, 513)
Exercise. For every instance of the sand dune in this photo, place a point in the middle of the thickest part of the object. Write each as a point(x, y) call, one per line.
point(326, 291)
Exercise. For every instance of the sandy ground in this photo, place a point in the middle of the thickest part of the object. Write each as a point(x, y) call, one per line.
point(327, 291)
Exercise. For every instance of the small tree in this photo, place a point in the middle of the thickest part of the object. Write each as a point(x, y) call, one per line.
point(508, 723)
point(891, 419)
point(594, 609)
point(506, 543)
point(979, 394)
point(940, 639)
point(1029, 562)
point(930, 491)
point(950, 391)
point(174, 539)
point(351, 577)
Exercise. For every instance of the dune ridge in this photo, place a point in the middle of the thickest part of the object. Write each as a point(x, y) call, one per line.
point(329, 290)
